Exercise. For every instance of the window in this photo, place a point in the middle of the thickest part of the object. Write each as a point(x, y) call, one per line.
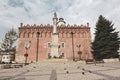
point(4, 57)
point(49, 45)
point(28, 35)
point(63, 55)
point(32, 34)
point(7, 57)
point(49, 55)
point(24, 35)
point(11, 57)
point(62, 45)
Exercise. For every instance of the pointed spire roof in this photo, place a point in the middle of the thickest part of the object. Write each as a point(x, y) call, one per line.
point(55, 16)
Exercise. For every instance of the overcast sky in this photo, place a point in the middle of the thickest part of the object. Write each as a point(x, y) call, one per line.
point(13, 12)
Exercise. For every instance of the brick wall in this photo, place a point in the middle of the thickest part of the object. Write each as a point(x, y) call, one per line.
point(28, 33)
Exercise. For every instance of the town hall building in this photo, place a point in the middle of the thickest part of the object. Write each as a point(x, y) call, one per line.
point(56, 41)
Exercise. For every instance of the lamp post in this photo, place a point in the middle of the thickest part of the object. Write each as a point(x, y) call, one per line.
point(38, 33)
point(73, 46)
point(59, 51)
point(119, 52)
point(27, 46)
point(79, 52)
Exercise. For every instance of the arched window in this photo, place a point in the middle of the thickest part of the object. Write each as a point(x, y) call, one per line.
point(32, 34)
point(28, 34)
point(24, 35)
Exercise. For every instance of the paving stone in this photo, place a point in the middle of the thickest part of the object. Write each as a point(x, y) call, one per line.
point(57, 71)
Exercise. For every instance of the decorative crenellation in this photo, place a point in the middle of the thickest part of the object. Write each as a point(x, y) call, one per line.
point(47, 40)
point(30, 31)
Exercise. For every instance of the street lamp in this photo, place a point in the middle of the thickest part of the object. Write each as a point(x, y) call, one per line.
point(73, 46)
point(38, 33)
point(27, 46)
point(59, 51)
point(79, 52)
point(119, 52)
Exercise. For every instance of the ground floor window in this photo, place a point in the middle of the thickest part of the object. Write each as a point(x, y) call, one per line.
point(62, 55)
point(49, 55)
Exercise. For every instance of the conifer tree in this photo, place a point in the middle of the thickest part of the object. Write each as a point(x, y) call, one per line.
point(106, 42)
point(8, 43)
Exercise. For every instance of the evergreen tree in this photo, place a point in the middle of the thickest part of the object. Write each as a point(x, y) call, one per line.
point(106, 42)
point(8, 43)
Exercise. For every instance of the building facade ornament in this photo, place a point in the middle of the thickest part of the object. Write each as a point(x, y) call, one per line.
point(54, 35)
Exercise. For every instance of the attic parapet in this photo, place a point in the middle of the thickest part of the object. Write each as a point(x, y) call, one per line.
point(30, 26)
point(35, 28)
point(74, 26)
point(48, 27)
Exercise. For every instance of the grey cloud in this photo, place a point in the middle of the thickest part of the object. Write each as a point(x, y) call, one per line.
point(16, 3)
point(74, 11)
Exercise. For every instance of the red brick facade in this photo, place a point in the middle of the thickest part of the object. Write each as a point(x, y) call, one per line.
point(53, 40)
point(29, 34)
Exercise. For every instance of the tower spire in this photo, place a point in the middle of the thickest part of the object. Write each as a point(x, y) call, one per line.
point(55, 15)
point(55, 19)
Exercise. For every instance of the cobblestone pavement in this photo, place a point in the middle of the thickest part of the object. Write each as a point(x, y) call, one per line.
point(63, 71)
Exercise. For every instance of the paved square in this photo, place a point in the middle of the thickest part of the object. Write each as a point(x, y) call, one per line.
point(63, 71)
